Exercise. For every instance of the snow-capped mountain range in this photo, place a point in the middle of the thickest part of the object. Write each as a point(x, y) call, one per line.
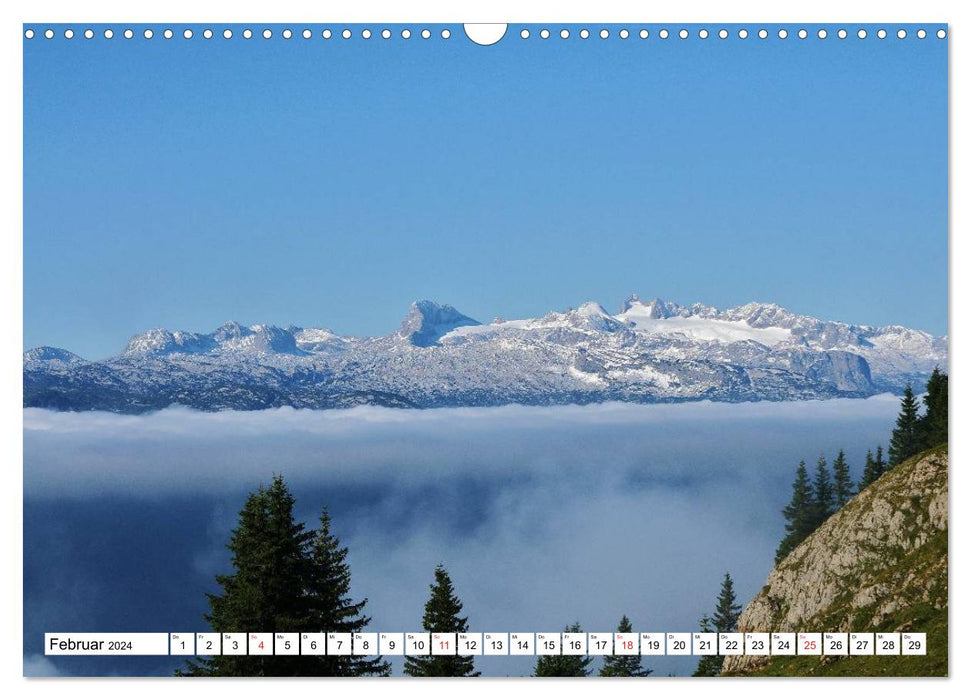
point(651, 351)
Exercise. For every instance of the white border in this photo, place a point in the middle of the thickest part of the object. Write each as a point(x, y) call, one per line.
point(709, 11)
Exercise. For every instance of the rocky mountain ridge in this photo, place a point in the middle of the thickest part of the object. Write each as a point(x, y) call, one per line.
point(648, 352)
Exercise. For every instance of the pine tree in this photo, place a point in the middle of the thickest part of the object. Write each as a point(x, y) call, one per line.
point(842, 483)
point(331, 609)
point(265, 592)
point(879, 465)
point(933, 424)
point(711, 664)
point(906, 439)
point(824, 499)
point(442, 615)
point(798, 514)
point(869, 472)
point(564, 666)
point(726, 610)
point(620, 665)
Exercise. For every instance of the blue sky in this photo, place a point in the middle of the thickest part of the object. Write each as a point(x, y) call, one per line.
point(330, 182)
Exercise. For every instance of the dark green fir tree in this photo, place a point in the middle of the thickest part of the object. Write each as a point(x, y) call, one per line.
point(824, 497)
point(798, 514)
point(842, 483)
point(869, 472)
point(624, 665)
point(265, 592)
point(331, 609)
point(442, 614)
point(727, 609)
point(933, 424)
point(906, 439)
point(565, 665)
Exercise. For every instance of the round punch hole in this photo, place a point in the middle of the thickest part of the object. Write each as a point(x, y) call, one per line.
point(168, 34)
point(306, 34)
point(187, 34)
point(703, 33)
point(841, 33)
point(524, 34)
point(644, 34)
point(446, 33)
point(743, 34)
point(821, 33)
point(29, 34)
point(405, 33)
point(722, 33)
point(207, 33)
point(783, 34)
point(247, 33)
point(544, 34)
point(763, 34)
point(861, 33)
point(148, 34)
point(89, 34)
point(624, 33)
point(425, 34)
point(584, 33)
point(683, 34)
point(366, 34)
point(49, 34)
point(604, 33)
point(68, 33)
point(663, 34)
point(564, 33)
point(901, 33)
point(129, 34)
point(882, 34)
point(921, 34)
point(227, 34)
point(267, 34)
point(346, 33)
point(109, 34)
point(288, 34)
point(327, 34)
point(385, 33)
point(941, 34)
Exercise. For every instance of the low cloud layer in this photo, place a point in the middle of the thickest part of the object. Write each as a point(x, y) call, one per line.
point(543, 516)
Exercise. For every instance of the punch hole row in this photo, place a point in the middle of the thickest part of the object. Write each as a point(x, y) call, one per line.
point(386, 34)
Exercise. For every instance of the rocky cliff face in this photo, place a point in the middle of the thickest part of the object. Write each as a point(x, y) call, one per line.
point(879, 564)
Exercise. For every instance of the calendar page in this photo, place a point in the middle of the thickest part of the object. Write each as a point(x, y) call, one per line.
point(485, 350)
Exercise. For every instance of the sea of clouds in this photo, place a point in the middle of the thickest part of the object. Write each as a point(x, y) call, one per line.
point(542, 515)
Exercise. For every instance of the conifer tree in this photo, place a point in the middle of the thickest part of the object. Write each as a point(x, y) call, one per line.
point(824, 498)
point(727, 610)
point(906, 439)
point(725, 619)
point(879, 464)
point(331, 609)
point(285, 579)
point(565, 665)
point(442, 615)
point(265, 592)
point(933, 424)
point(869, 472)
point(624, 665)
point(842, 483)
point(709, 664)
point(798, 514)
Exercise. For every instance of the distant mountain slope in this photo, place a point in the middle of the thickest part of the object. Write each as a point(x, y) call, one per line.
point(649, 352)
point(878, 565)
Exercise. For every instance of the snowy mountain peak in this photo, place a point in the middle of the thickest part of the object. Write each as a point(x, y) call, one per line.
point(427, 321)
point(48, 354)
